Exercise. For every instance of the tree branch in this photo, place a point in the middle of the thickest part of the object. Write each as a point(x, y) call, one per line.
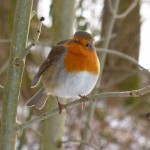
point(126, 12)
point(35, 39)
point(132, 93)
point(124, 56)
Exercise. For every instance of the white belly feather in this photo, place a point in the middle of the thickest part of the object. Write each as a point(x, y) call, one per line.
point(73, 85)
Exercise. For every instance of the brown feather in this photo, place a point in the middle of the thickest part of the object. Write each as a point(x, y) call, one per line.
point(53, 56)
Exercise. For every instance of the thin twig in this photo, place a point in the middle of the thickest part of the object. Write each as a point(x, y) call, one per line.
point(32, 14)
point(80, 141)
point(35, 39)
point(102, 39)
point(22, 138)
point(108, 37)
point(122, 55)
point(126, 12)
point(132, 93)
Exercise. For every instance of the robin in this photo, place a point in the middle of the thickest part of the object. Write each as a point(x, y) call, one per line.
point(71, 70)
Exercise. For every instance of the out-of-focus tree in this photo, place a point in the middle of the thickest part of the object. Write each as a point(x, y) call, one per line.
point(63, 20)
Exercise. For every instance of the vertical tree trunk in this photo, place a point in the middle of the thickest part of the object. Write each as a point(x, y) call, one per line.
point(14, 76)
point(63, 18)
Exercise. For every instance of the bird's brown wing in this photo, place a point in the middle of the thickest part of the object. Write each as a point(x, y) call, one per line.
point(53, 56)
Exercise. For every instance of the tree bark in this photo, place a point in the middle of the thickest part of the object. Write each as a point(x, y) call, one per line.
point(14, 75)
point(63, 19)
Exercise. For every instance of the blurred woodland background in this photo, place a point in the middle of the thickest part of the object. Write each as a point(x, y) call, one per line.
point(107, 124)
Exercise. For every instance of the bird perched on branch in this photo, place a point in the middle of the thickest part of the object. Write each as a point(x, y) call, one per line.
point(71, 70)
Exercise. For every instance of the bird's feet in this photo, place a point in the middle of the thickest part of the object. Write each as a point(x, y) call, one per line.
point(60, 106)
point(84, 99)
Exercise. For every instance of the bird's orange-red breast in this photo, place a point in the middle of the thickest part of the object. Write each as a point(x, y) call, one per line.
point(81, 59)
point(71, 70)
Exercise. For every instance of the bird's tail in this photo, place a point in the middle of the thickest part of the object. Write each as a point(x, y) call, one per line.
point(39, 99)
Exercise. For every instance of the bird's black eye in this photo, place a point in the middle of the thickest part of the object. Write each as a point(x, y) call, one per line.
point(88, 44)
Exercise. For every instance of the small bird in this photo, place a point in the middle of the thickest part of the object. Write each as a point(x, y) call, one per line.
point(71, 70)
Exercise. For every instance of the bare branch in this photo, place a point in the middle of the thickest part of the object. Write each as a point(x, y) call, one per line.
point(125, 56)
point(36, 38)
point(108, 35)
point(133, 93)
point(32, 14)
point(126, 12)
